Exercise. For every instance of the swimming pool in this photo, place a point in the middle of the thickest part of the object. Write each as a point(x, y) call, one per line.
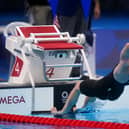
point(110, 111)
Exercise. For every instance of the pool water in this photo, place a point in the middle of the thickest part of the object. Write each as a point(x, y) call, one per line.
point(119, 116)
point(106, 115)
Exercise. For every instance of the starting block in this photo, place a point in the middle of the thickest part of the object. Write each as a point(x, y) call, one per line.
point(43, 51)
point(43, 58)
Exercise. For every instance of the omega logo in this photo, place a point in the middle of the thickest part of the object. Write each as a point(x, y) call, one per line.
point(12, 100)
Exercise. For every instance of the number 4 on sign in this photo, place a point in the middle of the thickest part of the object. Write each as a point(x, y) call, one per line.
point(17, 68)
point(50, 72)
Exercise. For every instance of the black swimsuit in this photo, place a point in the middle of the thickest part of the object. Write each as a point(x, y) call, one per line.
point(105, 88)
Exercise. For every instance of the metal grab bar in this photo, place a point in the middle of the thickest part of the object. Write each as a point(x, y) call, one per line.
point(66, 65)
point(80, 65)
point(49, 34)
point(35, 40)
point(80, 39)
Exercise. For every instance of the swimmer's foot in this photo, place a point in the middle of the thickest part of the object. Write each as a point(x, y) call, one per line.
point(121, 72)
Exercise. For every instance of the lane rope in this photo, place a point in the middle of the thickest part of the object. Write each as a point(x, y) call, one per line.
point(61, 122)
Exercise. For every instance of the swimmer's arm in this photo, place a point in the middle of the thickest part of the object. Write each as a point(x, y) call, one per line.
point(71, 101)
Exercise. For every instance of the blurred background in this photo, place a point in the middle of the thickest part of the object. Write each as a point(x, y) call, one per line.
point(108, 7)
point(112, 6)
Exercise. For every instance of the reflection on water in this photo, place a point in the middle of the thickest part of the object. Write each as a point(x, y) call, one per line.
point(10, 125)
point(119, 116)
point(97, 112)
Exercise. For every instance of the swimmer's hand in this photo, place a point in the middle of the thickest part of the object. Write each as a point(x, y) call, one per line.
point(55, 112)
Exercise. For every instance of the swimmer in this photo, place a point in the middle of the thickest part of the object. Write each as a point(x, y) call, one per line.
point(110, 87)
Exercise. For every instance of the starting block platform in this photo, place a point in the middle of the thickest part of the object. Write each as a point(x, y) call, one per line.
point(42, 59)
